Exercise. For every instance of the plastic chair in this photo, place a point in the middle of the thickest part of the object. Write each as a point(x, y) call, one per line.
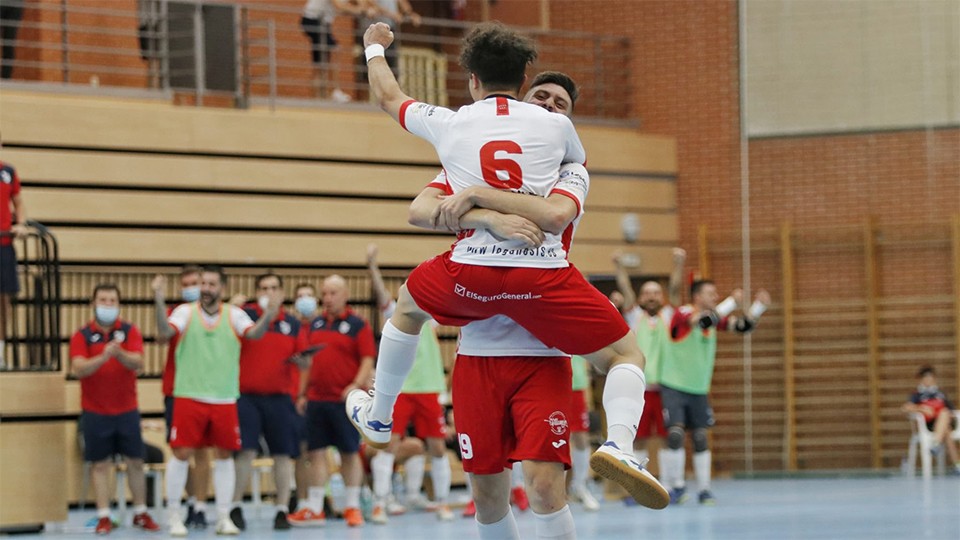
point(923, 438)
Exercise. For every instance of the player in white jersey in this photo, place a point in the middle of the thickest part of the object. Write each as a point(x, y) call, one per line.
point(522, 418)
point(489, 144)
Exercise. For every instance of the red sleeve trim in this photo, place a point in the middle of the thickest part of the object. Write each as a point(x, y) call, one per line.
point(571, 196)
point(403, 113)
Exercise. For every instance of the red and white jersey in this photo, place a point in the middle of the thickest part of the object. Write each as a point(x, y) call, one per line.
point(505, 144)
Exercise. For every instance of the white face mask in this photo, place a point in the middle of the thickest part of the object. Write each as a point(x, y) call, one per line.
point(107, 314)
point(190, 294)
point(927, 389)
point(306, 305)
point(263, 301)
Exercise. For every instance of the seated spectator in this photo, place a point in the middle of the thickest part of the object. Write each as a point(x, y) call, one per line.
point(937, 410)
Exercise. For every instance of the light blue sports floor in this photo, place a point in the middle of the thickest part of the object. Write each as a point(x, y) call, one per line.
point(836, 509)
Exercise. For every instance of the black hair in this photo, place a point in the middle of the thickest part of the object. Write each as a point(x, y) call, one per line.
point(268, 274)
point(925, 370)
point(215, 269)
point(699, 284)
point(105, 287)
point(497, 55)
point(560, 79)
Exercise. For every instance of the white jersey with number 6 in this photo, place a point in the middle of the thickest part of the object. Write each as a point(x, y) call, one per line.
point(504, 144)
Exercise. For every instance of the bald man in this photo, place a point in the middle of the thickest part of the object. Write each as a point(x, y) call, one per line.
point(344, 364)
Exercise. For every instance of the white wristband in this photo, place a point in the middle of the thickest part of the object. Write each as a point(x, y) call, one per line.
point(373, 51)
point(756, 309)
point(726, 307)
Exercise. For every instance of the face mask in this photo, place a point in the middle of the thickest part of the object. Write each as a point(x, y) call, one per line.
point(190, 294)
point(107, 314)
point(927, 389)
point(306, 305)
point(263, 301)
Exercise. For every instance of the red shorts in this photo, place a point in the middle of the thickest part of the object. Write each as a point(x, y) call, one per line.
point(557, 305)
point(651, 422)
point(579, 415)
point(197, 425)
point(511, 409)
point(424, 410)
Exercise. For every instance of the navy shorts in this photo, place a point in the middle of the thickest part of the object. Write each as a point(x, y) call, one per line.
point(691, 411)
point(9, 284)
point(300, 431)
point(107, 434)
point(328, 425)
point(271, 416)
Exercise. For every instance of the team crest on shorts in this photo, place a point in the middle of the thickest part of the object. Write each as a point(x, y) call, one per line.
point(558, 423)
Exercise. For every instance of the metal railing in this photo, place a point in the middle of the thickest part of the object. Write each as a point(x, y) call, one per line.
point(172, 47)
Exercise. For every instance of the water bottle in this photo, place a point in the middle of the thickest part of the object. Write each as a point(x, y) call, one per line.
point(338, 492)
point(399, 487)
point(366, 502)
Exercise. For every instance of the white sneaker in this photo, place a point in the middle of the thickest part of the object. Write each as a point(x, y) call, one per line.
point(376, 433)
point(583, 496)
point(225, 527)
point(379, 515)
point(609, 461)
point(177, 528)
point(444, 513)
point(340, 96)
point(421, 503)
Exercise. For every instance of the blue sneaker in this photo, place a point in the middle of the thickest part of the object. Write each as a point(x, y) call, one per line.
point(376, 433)
point(610, 462)
point(678, 495)
point(706, 498)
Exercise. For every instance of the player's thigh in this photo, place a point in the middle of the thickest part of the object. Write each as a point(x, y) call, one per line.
point(224, 428)
point(699, 412)
point(98, 436)
point(279, 424)
point(403, 412)
point(538, 408)
point(130, 435)
point(484, 428)
point(251, 421)
point(319, 429)
point(189, 426)
point(674, 407)
point(428, 417)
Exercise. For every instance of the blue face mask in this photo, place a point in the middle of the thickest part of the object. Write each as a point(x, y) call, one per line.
point(190, 294)
point(107, 315)
point(306, 305)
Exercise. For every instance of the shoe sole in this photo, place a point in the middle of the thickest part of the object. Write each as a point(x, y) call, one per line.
point(307, 525)
point(643, 488)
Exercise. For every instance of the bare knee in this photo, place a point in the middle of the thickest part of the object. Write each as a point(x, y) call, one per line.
point(546, 486)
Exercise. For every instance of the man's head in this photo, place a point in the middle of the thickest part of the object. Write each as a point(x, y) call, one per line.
point(651, 297)
point(106, 303)
point(335, 294)
point(269, 285)
point(496, 58)
point(554, 91)
point(703, 294)
point(190, 283)
point(212, 282)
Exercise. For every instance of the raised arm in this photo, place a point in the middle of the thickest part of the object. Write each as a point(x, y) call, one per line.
point(164, 331)
point(623, 283)
point(260, 327)
point(383, 84)
point(675, 286)
point(376, 278)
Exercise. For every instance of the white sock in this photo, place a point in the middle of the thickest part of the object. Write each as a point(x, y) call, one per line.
point(558, 525)
point(381, 468)
point(351, 497)
point(176, 482)
point(701, 467)
point(516, 474)
point(201, 506)
point(581, 467)
point(440, 474)
point(674, 462)
point(623, 403)
point(315, 499)
point(661, 457)
point(139, 509)
point(103, 512)
point(505, 529)
point(641, 454)
point(414, 469)
point(394, 362)
point(224, 479)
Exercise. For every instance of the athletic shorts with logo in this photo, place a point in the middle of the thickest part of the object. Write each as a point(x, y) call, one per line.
point(579, 415)
point(557, 305)
point(424, 411)
point(197, 424)
point(511, 409)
